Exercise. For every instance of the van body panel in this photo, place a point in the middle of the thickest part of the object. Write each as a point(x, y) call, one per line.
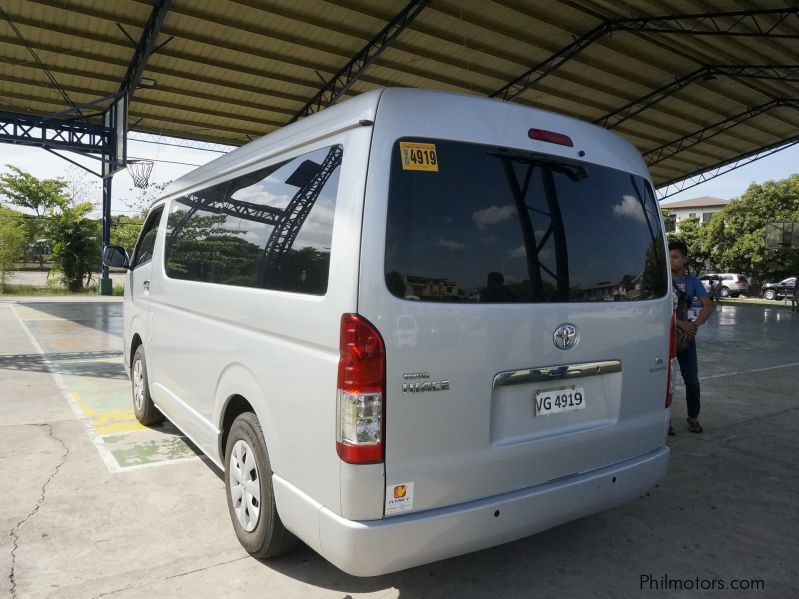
point(472, 441)
point(284, 345)
point(361, 498)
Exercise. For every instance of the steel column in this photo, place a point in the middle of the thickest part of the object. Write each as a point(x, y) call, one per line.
point(106, 285)
point(144, 48)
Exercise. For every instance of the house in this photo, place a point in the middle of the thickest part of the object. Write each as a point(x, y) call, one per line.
point(702, 208)
point(429, 288)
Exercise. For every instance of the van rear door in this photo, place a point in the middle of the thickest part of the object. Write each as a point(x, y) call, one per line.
point(523, 303)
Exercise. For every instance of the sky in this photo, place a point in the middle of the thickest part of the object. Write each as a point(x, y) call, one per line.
point(44, 165)
point(172, 162)
point(731, 185)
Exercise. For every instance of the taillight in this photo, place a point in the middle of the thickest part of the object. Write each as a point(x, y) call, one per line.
point(672, 355)
point(360, 395)
point(550, 137)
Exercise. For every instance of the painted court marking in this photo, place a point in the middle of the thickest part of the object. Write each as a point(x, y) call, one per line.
point(122, 442)
point(718, 376)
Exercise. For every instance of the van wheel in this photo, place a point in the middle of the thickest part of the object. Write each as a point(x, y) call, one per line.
point(725, 292)
point(143, 405)
point(250, 496)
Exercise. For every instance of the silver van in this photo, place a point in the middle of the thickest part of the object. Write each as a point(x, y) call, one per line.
point(411, 326)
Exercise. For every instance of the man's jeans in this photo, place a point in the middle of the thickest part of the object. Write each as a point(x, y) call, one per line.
point(690, 375)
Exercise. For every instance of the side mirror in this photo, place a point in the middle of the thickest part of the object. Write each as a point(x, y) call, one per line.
point(114, 255)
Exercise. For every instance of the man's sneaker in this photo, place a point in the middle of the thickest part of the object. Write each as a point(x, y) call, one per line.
point(693, 425)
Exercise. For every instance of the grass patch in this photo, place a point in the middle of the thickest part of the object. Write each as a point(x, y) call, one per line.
point(117, 290)
point(752, 301)
point(51, 291)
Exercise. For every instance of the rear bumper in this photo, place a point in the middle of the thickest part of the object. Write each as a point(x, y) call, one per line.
point(379, 546)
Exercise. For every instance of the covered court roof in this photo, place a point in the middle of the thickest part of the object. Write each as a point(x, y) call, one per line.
point(694, 85)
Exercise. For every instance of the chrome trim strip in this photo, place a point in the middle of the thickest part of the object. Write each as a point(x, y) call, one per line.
point(554, 373)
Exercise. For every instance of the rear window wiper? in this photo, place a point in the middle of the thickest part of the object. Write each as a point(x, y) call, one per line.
point(575, 172)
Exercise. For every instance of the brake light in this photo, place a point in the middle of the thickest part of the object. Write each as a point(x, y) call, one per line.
point(360, 428)
point(550, 137)
point(672, 355)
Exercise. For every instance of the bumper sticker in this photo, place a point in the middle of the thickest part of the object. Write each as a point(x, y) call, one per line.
point(399, 498)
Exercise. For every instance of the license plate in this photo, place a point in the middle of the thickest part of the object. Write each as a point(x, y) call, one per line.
point(559, 400)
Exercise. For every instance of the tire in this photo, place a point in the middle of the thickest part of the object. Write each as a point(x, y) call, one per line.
point(247, 473)
point(143, 406)
point(725, 292)
point(770, 294)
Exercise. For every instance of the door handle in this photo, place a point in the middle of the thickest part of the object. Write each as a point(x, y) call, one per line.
point(146, 285)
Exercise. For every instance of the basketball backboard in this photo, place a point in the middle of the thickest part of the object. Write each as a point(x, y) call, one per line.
point(782, 236)
point(116, 118)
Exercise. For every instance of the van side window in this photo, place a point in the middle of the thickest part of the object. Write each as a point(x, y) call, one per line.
point(271, 228)
point(191, 234)
point(144, 248)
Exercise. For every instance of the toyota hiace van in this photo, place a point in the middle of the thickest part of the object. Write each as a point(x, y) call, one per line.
point(413, 325)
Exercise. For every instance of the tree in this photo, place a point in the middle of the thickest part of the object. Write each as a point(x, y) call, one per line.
point(693, 234)
point(12, 242)
point(735, 236)
point(144, 198)
point(125, 230)
point(76, 247)
point(39, 195)
point(27, 191)
point(80, 186)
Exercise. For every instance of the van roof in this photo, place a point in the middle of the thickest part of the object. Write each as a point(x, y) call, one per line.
point(336, 118)
point(602, 146)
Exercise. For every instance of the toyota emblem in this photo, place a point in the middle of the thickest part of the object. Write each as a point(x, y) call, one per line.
point(565, 336)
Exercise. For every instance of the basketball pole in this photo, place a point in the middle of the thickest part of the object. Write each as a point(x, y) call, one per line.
point(106, 285)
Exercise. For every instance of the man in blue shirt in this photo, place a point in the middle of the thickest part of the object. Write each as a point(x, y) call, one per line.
point(686, 288)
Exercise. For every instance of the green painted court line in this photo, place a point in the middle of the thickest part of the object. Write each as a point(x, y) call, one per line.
point(86, 365)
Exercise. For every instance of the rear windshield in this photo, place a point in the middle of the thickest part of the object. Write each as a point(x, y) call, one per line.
point(476, 223)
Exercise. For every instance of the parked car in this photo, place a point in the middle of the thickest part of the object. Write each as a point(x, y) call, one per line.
point(776, 291)
point(322, 312)
point(732, 284)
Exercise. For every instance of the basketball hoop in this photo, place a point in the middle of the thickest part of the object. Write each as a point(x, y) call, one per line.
point(140, 172)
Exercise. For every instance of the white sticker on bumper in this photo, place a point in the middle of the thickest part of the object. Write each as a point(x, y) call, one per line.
point(399, 498)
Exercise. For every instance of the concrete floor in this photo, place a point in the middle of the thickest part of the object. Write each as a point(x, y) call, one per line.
point(95, 505)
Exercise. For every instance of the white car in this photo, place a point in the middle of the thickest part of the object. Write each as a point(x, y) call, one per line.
point(729, 284)
point(411, 326)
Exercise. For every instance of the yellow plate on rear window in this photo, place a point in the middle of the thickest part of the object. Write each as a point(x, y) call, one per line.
point(418, 156)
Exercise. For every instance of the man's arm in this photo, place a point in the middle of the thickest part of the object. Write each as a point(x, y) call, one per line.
point(708, 307)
